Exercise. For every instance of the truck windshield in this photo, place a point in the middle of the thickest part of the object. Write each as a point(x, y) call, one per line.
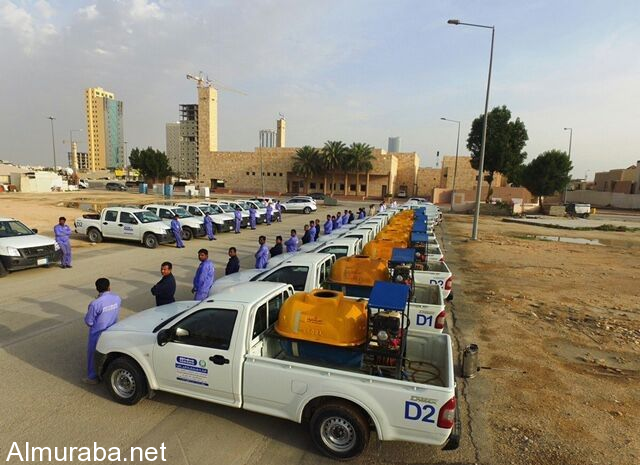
point(147, 217)
point(226, 208)
point(14, 228)
point(207, 209)
point(182, 213)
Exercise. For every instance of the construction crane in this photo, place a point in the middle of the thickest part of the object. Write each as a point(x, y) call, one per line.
point(204, 81)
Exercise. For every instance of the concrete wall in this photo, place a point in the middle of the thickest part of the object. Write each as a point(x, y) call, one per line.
point(605, 199)
point(505, 194)
point(610, 181)
point(466, 175)
point(428, 180)
point(407, 172)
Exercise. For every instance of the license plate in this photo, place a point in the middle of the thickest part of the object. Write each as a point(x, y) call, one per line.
point(42, 261)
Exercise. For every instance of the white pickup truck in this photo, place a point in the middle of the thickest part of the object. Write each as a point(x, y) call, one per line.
point(21, 247)
point(436, 273)
point(340, 247)
point(131, 224)
point(303, 271)
point(192, 226)
point(222, 350)
point(223, 222)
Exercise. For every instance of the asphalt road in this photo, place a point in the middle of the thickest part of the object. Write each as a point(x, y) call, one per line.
point(42, 361)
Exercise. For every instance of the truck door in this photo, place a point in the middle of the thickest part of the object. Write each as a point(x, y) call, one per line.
point(199, 360)
point(165, 215)
point(109, 224)
point(129, 226)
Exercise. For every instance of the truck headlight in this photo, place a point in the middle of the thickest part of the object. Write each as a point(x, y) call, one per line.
point(56, 246)
point(13, 252)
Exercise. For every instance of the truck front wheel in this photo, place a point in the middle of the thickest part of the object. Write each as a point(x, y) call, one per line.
point(150, 241)
point(339, 430)
point(187, 234)
point(125, 381)
point(94, 235)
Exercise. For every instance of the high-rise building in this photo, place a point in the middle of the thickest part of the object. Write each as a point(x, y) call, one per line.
point(172, 148)
point(267, 138)
point(190, 140)
point(394, 144)
point(207, 118)
point(105, 135)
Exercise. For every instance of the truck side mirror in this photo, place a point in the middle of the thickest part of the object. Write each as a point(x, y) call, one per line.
point(181, 332)
point(35, 230)
point(164, 336)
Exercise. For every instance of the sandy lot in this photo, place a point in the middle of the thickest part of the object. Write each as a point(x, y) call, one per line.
point(565, 320)
point(557, 323)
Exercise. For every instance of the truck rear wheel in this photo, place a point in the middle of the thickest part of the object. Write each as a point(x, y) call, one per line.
point(94, 235)
point(150, 241)
point(125, 381)
point(339, 430)
point(187, 234)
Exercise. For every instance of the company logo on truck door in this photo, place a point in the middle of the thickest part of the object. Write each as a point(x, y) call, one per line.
point(186, 360)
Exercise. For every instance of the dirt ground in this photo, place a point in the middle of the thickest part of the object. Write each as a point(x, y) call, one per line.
point(559, 325)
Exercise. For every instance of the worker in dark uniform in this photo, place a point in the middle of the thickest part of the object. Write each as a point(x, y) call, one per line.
point(233, 265)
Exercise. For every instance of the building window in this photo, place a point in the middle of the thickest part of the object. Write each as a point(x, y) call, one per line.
point(363, 187)
point(341, 187)
point(268, 174)
point(274, 174)
point(280, 174)
point(321, 185)
point(312, 185)
point(253, 173)
point(247, 173)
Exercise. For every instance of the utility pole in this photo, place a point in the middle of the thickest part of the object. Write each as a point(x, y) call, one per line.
point(53, 143)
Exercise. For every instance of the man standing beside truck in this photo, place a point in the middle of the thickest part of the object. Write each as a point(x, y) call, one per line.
point(165, 289)
point(62, 233)
point(176, 229)
point(328, 225)
point(205, 275)
point(237, 218)
point(292, 243)
point(102, 313)
point(208, 226)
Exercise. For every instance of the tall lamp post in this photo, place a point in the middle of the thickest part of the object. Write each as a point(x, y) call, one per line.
point(570, 140)
point(455, 166)
point(476, 216)
point(53, 143)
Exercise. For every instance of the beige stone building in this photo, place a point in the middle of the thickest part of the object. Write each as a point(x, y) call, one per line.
point(622, 181)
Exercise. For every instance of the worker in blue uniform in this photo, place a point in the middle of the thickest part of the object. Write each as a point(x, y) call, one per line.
point(279, 210)
point(292, 243)
point(269, 213)
point(328, 225)
point(102, 313)
point(62, 233)
point(205, 275)
point(252, 216)
point(176, 229)
point(237, 218)
point(209, 226)
point(262, 255)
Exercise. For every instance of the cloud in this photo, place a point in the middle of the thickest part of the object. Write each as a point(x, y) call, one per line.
point(142, 10)
point(27, 30)
point(89, 12)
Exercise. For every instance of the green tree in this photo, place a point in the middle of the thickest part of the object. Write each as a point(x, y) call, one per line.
point(362, 159)
point(152, 164)
point(346, 165)
point(333, 154)
point(547, 174)
point(307, 163)
point(505, 143)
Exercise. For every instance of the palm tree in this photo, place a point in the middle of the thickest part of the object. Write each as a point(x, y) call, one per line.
point(362, 160)
point(346, 165)
point(333, 154)
point(306, 164)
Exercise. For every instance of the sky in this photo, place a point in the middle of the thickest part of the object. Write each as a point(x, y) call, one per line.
point(350, 70)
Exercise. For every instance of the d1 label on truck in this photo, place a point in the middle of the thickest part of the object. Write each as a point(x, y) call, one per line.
point(246, 367)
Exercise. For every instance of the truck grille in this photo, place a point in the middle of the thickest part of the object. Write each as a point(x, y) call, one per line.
point(40, 251)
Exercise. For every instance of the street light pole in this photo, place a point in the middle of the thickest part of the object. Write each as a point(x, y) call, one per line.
point(455, 167)
point(570, 140)
point(476, 215)
point(53, 143)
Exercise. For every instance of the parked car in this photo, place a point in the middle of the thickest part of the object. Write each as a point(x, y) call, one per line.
point(21, 247)
point(317, 196)
point(131, 224)
point(578, 209)
point(83, 184)
point(192, 226)
point(115, 186)
point(304, 205)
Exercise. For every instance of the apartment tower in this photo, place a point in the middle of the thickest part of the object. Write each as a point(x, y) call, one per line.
point(105, 136)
